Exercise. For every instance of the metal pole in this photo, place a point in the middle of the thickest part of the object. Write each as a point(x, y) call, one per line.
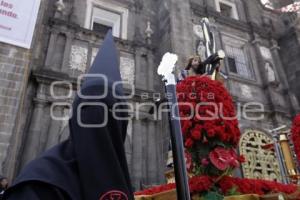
point(280, 156)
point(182, 185)
point(283, 170)
point(166, 69)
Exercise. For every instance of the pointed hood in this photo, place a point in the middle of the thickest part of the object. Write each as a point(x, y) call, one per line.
point(99, 150)
point(91, 164)
point(106, 64)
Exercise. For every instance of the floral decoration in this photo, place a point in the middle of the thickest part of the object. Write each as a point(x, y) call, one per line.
point(296, 136)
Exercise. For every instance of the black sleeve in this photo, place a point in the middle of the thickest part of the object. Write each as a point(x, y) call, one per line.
point(34, 191)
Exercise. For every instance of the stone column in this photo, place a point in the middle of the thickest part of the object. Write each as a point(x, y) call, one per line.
point(152, 155)
point(181, 30)
point(32, 142)
point(129, 145)
point(141, 74)
point(51, 47)
point(162, 142)
point(137, 156)
point(54, 128)
point(266, 87)
point(290, 99)
point(66, 57)
point(151, 70)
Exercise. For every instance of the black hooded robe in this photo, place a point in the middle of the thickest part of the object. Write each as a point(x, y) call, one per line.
point(91, 164)
point(37, 191)
point(61, 175)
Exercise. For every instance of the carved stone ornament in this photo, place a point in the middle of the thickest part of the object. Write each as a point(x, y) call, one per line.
point(246, 91)
point(265, 52)
point(270, 73)
point(60, 6)
point(201, 50)
point(127, 69)
point(261, 162)
point(78, 58)
point(198, 31)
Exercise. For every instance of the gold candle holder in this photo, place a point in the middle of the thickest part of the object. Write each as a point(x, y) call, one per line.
point(286, 151)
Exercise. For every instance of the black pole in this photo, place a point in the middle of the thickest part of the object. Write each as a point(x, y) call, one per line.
point(181, 178)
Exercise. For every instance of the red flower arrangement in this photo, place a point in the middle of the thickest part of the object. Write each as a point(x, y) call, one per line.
point(209, 126)
point(202, 184)
point(254, 186)
point(213, 109)
point(296, 136)
point(211, 134)
point(156, 190)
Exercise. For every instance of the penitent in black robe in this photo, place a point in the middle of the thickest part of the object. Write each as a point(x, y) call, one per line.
point(38, 191)
point(91, 164)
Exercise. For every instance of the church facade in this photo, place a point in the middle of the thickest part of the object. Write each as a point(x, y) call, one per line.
point(39, 84)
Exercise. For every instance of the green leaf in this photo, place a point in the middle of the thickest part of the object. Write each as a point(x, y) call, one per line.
point(219, 143)
point(233, 191)
point(213, 196)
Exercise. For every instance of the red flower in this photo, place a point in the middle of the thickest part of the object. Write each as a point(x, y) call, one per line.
point(196, 134)
point(189, 143)
point(200, 184)
point(223, 158)
point(204, 162)
point(219, 158)
point(296, 135)
point(198, 92)
point(211, 133)
point(233, 160)
point(241, 159)
point(213, 123)
point(253, 186)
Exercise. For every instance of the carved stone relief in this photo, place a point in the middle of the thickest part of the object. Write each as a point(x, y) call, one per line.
point(200, 48)
point(246, 91)
point(78, 58)
point(198, 31)
point(127, 68)
point(270, 73)
point(265, 52)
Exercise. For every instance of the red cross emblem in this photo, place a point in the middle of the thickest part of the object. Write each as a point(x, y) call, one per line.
point(114, 195)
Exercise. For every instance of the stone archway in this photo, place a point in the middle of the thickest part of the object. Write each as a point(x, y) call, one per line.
point(261, 163)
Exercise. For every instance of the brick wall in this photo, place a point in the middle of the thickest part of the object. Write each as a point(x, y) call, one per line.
point(13, 64)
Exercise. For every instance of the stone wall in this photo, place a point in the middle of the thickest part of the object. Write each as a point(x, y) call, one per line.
point(14, 69)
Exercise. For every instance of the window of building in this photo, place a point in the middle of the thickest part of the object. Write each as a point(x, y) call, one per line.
point(238, 62)
point(100, 28)
point(227, 8)
point(232, 64)
point(102, 16)
point(106, 19)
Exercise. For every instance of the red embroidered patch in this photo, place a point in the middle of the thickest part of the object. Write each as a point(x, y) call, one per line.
point(114, 195)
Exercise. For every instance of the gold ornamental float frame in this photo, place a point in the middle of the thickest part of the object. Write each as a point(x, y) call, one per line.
point(260, 163)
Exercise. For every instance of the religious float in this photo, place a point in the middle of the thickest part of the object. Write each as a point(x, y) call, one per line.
point(205, 136)
point(210, 149)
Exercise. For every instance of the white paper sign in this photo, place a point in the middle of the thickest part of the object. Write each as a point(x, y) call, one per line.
point(17, 21)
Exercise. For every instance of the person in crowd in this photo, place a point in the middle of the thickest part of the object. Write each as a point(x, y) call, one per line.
point(91, 164)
